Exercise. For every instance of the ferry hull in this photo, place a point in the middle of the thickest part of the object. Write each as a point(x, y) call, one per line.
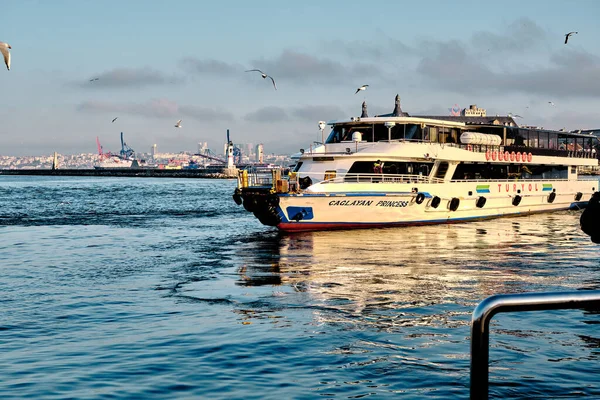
point(329, 211)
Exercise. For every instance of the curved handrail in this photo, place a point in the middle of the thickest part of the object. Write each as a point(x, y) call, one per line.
point(483, 313)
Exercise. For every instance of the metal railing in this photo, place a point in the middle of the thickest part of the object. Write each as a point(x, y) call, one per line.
point(483, 313)
point(386, 178)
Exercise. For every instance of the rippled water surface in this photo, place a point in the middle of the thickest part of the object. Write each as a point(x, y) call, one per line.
point(164, 288)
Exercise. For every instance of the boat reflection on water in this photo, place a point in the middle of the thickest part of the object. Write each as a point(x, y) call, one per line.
point(381, 269)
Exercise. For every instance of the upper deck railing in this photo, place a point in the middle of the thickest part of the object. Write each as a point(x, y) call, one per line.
point(383, 178)
point(353, 147)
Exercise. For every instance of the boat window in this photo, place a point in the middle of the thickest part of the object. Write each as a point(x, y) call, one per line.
point(441, 170)
point(543, 142)
point(341, 133)
point(392, 167)
point(521, 138)
point(553, 140)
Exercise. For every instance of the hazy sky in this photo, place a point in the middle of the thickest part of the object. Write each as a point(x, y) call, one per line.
point(160, 61)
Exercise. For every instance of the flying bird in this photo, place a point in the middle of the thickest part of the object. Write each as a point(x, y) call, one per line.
point(115, 119)
point(264, 76)
point(4, 50)
point(363, 87)
point(178, 124)
point(568, 35)
point(551, 103)
point(94, 79)
point(514, 115)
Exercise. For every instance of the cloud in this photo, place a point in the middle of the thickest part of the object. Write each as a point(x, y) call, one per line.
point(570, 73)
point(318, 113)
point(130, 78)
point(521, 35)
point(210, 67)
point(304, 68)
point(268, 114)
point(304, 113)
point(157, 108)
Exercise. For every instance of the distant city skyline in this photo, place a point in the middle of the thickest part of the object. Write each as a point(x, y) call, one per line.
point(158, 62)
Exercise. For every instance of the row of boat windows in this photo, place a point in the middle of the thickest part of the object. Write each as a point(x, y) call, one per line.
point(549, 140)
point(392, 167)
point(464, 171)
point(378, 132)
point(514, 136)
point(493, 171)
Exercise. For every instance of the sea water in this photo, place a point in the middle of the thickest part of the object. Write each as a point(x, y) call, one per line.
point(165, 288)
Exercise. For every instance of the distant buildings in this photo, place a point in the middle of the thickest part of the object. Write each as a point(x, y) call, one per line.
point(260, 153)
point(473, 111)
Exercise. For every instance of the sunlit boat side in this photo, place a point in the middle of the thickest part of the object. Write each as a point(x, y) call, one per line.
point(395, 170)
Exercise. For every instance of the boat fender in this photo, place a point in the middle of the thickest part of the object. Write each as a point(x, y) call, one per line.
point(273, 200)
point(305, 182)
point(454, 203)
point(237, 196)
point(298, 217)
point(481, 202)
point(420, 198)
point(551, 197)
point(590, 218)
point(516, 200)
point(435, 202)
point(578, 196)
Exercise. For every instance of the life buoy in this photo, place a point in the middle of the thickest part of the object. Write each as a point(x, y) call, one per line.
point(500, 156)
point(488, 155)
point(512, 156)
point(529, 157)
point(524, 157)
point(469, 147)
point(494, 155)
point(518, 157)
point(506, 155)
point(420, 198)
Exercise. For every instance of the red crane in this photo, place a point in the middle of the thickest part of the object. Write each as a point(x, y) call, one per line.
point(101, 153)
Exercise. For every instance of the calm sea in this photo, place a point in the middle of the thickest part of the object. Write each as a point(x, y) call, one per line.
point(164, 288)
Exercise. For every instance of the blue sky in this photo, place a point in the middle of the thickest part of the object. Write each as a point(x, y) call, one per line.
point(160, 61)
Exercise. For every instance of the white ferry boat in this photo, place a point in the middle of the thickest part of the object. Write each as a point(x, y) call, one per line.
point(113, 162)
point(397, 170)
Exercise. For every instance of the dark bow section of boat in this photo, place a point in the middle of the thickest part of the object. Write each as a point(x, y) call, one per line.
point(261, 202)
point(590, 218)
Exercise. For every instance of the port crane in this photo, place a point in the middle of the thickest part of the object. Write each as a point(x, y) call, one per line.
point(126, 153)
point(102, 155)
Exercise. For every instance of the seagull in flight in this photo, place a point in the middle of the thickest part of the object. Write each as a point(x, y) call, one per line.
point(94, 79)
point(514, 115)
point(363, 87)
point(4, 50)
point(568, 35)
point(265, 76)
point(178, 124)
point(551, 103)
point(115, 119)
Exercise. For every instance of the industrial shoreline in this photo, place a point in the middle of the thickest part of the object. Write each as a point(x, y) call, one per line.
point(127, 172)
